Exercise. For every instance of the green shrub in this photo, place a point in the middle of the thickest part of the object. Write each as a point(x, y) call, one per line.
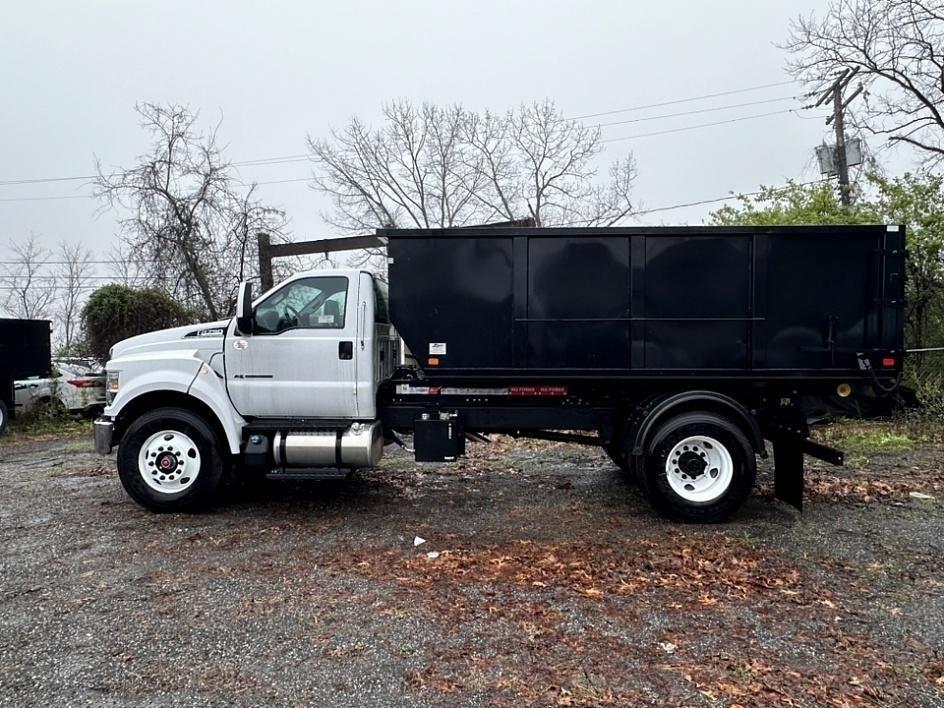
point(116, 312)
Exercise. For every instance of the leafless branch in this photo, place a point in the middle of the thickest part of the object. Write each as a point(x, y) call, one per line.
point(429, 166)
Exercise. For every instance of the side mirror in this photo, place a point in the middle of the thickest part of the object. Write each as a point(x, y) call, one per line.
point(244, 308)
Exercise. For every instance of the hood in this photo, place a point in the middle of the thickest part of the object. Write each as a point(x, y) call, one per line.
point(206, 337)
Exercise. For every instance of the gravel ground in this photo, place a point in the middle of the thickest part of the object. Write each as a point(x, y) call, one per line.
point(545, 579)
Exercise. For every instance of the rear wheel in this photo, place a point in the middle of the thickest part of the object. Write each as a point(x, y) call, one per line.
point(171, 460)
point(622, 458)
point(4, 417)
point(700, 468)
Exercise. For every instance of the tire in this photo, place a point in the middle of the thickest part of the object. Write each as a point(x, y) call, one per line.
point(622, 459)
point(171, 460)
point(712, 472)
point(4, 417)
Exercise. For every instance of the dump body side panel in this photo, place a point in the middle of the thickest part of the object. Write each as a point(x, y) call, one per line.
point(455, 296)
point(640, 302)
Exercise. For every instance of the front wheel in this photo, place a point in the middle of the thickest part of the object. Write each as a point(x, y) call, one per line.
point(171, 460)
point(700, 468)
point(4, 416)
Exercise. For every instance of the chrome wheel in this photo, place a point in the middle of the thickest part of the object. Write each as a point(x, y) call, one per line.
point(699, 469)
point(169, 462)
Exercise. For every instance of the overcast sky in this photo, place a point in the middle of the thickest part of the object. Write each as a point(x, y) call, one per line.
point(277, 71)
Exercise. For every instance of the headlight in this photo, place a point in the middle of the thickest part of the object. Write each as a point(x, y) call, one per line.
point(111, 386)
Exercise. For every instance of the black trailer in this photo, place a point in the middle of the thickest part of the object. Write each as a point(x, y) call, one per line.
point(24, 352)
point(652, 342)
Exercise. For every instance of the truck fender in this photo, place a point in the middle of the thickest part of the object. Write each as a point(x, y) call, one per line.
point(679, 402)
point(210, 388)
point(183, 374)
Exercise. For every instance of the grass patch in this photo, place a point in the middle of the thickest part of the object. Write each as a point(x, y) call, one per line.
point(864, 438)
point(875, 442)
point(27, 427)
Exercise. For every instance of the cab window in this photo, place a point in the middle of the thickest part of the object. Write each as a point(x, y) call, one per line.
point(307, 303)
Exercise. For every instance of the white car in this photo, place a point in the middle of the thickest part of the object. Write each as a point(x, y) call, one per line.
point(78, 385)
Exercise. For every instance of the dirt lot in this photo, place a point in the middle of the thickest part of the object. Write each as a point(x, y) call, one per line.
point(544, 579)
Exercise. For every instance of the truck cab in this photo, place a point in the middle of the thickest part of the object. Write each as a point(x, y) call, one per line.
point(292, 380)
point(316, 346)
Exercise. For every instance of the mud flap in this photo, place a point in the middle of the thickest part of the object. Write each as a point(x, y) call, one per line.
point(788, 465)
point(788, 471)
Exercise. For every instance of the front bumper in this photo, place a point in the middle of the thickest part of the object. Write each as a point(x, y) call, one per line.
point(104, 429)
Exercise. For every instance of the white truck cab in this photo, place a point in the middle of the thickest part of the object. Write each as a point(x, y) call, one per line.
point(301, 365)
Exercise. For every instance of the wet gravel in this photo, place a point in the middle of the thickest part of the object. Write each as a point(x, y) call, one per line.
point(550, 581)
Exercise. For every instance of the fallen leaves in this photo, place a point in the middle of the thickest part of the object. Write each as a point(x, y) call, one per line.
point(696, 582)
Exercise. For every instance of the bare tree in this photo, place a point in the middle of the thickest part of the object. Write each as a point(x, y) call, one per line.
point(429, 167)
point(189, 216)
point(73, 273)
point(126, 264)
point(555, 158)
point(30, 293)
point(897, 46)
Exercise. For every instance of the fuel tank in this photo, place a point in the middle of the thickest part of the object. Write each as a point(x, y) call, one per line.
point(361, 445)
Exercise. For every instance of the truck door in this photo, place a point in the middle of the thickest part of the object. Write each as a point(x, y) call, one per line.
point(299, 360)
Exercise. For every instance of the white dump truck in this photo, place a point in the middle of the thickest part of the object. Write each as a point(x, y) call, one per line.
point(679, 351)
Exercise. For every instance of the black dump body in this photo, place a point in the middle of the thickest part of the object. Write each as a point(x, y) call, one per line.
point(663, 303)
point(24, 352)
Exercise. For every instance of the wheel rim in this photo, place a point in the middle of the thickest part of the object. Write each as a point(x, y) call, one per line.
point(169, 462)
point(699, 469)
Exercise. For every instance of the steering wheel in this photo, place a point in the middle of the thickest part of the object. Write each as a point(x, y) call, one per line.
point(289, 316)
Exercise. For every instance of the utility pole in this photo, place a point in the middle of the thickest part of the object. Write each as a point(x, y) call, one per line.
point(839, 124)
point(842, 166)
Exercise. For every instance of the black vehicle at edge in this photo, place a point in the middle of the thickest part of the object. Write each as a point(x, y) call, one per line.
point(24, 352)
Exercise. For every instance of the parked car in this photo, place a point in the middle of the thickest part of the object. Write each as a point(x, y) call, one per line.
point(76, 385)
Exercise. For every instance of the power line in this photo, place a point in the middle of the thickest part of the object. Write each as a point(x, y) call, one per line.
point(285, 181)
point(302, 157)
point(608, 140)
point(682, 100)
point(700, 125)
point(51, 288)
point(713, 200)
point(21, 277)
point(133, 261)
point(89, 196)
point(272, 160)
point(700, 110)
point(701, 202)
point(259, 162)
point(46, 199)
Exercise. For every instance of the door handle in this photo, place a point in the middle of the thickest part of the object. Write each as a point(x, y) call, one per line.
point(345, 350)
